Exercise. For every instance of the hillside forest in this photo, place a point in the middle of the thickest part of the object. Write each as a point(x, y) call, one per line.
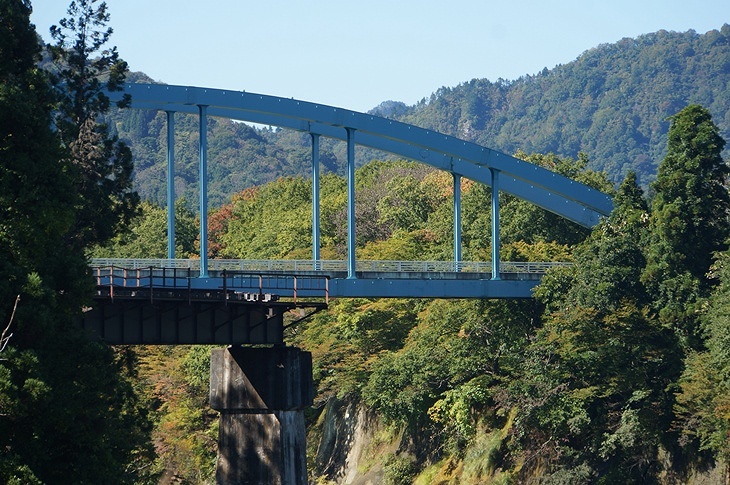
point(616, 372)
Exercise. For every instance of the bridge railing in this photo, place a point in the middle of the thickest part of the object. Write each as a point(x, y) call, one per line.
point(241, 285)
point(295, 265)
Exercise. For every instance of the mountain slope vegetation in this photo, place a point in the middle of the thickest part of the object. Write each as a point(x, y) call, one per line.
point(612, 103)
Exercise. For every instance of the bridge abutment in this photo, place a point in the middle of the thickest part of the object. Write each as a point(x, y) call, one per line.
point(261, 394)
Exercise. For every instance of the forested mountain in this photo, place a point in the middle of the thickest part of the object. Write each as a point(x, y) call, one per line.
point(612, 103)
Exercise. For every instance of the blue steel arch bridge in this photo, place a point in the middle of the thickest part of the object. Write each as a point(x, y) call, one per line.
point(202, 301)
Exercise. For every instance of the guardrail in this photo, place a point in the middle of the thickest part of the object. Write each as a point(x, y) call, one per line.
point(296, 265)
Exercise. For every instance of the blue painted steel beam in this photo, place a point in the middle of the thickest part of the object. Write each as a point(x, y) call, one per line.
point(256, 107)
point(457, 217)
point(170, 185)
point(537, 195)
point(495, 223)
point(203, 145)
point(315, 198)
point(400, 288)
point(351, 203)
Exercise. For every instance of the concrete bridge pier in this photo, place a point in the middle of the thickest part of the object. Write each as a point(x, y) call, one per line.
point(261, 394)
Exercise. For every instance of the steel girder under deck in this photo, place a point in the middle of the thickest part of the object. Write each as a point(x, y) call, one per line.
point(143, 317)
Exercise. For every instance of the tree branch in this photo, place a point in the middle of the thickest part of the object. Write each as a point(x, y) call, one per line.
point(3, 338)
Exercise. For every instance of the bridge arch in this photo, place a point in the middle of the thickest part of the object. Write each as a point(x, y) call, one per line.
point(551, 191)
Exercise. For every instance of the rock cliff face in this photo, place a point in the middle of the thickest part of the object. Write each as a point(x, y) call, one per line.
point(348, 445)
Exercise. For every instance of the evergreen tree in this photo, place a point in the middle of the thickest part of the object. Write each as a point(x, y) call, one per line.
point(689, 219)
point(102, 164)
point(614, 363)
point(35, 194)
point(610, 264)
point(67, 412)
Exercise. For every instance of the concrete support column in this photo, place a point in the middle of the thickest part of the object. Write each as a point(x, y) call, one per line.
point(261, 394)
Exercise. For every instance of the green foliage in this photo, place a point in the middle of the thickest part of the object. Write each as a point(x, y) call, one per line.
point(400, 246)
point(399, 470)
point(482, 459)
point(146, 235)
point(523, 221)
point(605, 346)
point(196, 368)
point(175, 383)
point(703, 405)
point(689, 219)
point(609, 264)
point(374, 326)
point(338, 369)
point(613, 344)
point(612, 102)
point(456, 412)
point(404, 211)
point(444, 361)
point(408, 202)
point(270, 222)
point(61, 395)
point(100, 164)
point(100, 411)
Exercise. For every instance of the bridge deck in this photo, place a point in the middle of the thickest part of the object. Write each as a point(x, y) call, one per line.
point(325, 279)
point(139, 303)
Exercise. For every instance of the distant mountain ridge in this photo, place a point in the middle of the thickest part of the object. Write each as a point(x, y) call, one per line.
point(611, 103)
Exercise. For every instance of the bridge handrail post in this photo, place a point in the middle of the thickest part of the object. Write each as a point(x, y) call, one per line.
point(295, 289)
point(190, 296)
point(151, 287)
point(225, 287)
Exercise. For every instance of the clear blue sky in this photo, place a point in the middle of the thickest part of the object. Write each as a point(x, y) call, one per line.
point(356, 54)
